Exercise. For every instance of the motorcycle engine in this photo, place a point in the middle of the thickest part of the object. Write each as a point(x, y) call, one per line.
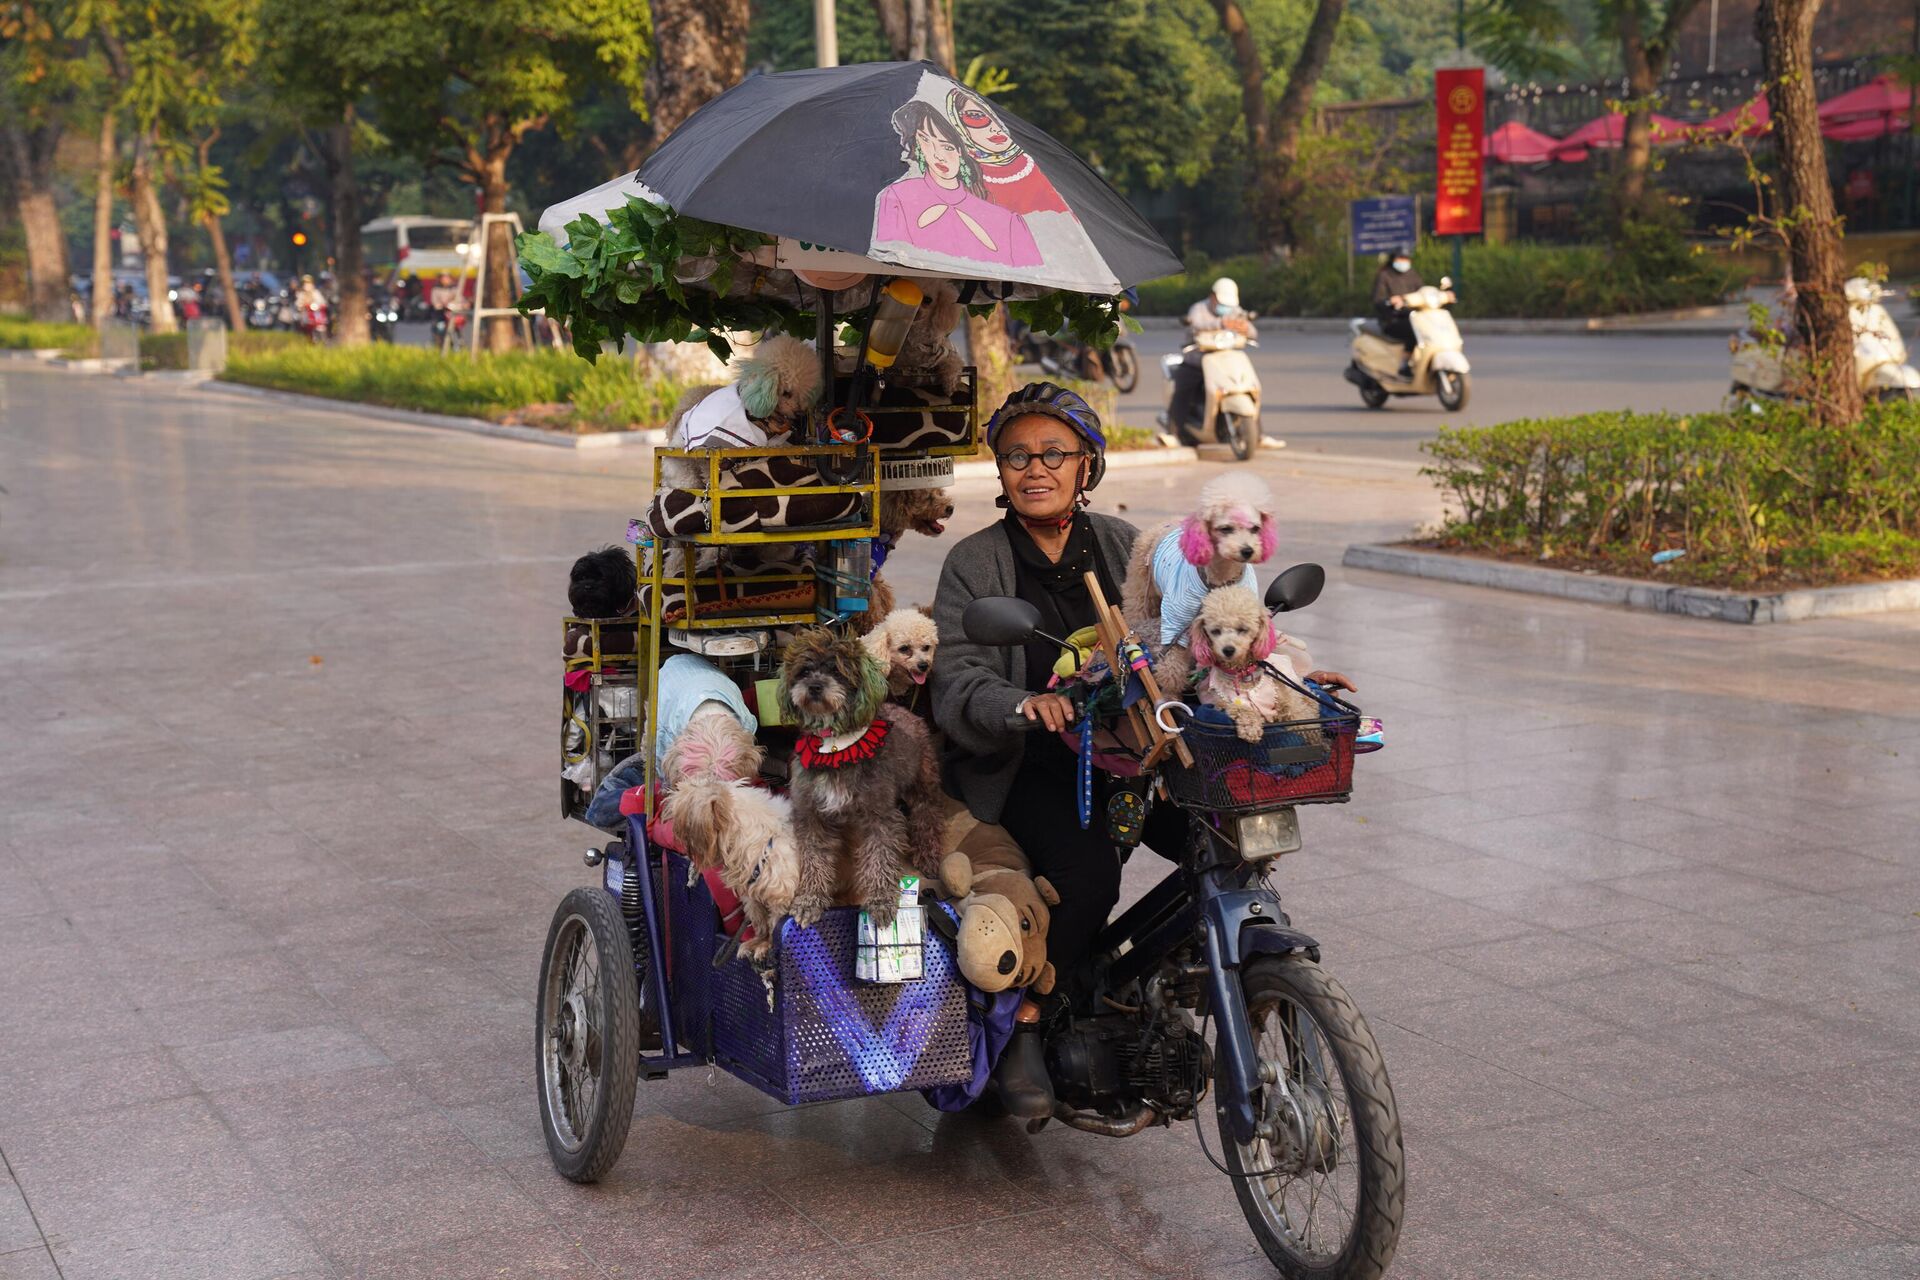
point(1111, 1062)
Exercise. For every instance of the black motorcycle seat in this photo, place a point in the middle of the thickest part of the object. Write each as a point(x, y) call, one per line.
point(1372, 329)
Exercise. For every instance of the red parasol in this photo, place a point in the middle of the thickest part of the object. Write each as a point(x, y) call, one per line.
point(1873, 109)
point(1610, 131)
point(1515, 143)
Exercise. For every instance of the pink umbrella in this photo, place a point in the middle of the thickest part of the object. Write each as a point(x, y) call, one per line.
point(1878, 107)
point(1610, 131)
point(1759, 119)
point(1514, 143)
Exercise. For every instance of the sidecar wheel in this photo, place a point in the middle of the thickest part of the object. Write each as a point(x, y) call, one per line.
point(587, 1035)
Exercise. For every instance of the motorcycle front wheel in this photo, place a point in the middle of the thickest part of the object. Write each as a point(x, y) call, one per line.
point(1241, 431)
point(1453, 390)
point(1326, 1195)
point(1123, 366)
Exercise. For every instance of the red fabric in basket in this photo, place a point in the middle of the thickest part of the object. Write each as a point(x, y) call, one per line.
point(1248, 785)
point(732, 917)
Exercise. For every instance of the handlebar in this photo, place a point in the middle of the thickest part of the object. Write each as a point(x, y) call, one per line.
point(1018, 723)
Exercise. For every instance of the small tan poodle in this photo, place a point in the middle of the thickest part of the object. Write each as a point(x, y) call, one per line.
point(905, 642)
point(1232, 642)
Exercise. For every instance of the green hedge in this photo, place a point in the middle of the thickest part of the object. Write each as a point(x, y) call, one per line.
point(610, 395)
point(1753, 499)
point(1496, 280)
point(18, 333)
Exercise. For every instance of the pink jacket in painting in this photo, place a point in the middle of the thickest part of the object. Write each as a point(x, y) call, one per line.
point(968, 227)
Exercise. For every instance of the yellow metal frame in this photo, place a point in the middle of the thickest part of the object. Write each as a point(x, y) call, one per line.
point(689, 579)
point(626, 664)
point(716, 494)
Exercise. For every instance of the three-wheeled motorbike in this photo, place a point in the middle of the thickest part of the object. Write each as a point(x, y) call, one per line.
point(1207, 1000)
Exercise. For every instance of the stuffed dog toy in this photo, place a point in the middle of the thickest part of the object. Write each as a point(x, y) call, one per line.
point(865, 787)
point(1004, 908)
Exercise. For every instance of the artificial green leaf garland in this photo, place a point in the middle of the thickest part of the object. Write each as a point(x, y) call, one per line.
point(620, 280)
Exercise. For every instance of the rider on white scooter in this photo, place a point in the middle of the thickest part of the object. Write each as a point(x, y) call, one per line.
point(1220, 309)
point(1391, 285)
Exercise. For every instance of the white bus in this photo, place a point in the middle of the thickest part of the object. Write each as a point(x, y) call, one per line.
point(411, 245)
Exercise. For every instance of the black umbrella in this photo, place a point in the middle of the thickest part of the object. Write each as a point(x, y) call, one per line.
point(895, 164)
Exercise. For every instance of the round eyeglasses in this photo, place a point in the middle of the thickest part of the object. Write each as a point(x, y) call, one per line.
point(1021, 459)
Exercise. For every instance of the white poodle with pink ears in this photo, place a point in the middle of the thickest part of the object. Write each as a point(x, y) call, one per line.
point(1175, 564)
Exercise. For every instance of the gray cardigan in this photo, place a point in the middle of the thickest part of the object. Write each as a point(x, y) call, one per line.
point(976, 687)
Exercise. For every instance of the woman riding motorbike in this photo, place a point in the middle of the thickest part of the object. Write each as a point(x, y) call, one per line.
point(1051, 454)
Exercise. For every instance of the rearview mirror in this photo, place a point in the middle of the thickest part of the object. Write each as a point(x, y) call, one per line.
point(1296, 588)
point(1446, 282)
point(1000, 620)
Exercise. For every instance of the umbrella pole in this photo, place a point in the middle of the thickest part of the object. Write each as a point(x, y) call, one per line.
point(823, 342)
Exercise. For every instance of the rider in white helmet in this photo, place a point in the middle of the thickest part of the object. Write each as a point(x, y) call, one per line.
point(1220, 309)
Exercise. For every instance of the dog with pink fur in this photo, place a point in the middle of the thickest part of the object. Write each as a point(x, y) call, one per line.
point(1173, 567)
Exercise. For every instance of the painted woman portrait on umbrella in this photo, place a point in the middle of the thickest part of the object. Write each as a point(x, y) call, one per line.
point(941, 207)
point(1012, 179)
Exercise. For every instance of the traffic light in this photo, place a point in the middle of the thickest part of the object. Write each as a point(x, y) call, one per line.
point(299, 239)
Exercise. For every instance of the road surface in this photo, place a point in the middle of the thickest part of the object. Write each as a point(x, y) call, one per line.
point(1308, 404)
point(1628, 901)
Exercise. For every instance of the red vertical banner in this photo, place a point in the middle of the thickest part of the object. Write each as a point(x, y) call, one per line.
point(1460, 104)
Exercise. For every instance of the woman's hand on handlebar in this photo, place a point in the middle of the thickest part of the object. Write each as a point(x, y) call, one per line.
point(1331, 680)
point(1051, 709)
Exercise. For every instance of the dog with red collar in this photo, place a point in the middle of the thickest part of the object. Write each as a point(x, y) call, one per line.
point(865, 784)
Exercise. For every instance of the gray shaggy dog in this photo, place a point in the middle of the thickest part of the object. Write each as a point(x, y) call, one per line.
point(865, 784)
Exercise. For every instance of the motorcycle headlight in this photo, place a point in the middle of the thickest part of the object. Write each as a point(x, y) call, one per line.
point(1267, 835)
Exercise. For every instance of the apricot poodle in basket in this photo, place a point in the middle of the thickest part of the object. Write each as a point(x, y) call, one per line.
point(865, 785)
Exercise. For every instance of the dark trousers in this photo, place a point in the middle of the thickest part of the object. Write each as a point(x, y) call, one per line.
point(1189, 396)
point(1043, 817)
point(1395, 322)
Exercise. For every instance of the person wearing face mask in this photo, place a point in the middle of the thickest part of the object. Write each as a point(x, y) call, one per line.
point(1391, 285)
point(1220, 309)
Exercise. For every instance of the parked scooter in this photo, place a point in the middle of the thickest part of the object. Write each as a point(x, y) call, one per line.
point(1231, 401)
point(1879, 354)
point(1437, 367)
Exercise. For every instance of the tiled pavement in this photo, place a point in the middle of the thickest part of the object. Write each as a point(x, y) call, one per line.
point(1630, 901)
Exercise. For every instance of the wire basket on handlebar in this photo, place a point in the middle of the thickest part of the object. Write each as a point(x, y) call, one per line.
point(1294, 762)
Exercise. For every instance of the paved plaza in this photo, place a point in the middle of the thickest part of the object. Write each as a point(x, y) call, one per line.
point(1632, 902)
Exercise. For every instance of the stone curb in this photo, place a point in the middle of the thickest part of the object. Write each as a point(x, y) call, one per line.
point(1692, 320)
point(1691, 602)
point(441, 421)
point(1120, 461)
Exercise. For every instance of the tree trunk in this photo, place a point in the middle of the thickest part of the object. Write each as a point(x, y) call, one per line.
point(1636, 143)
point(497, 289)
point(151, 220)
point(351, 327)
point(1291, 114)
point(47, 267)
point(1273, 138)
point(223, 265)
point(28, 163)
point(1252, 71)
point(895, 27)
point(103, 222)
point(1785, 32)
point(699, 52)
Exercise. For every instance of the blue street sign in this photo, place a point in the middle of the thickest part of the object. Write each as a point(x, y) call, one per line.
point(1383, 224)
